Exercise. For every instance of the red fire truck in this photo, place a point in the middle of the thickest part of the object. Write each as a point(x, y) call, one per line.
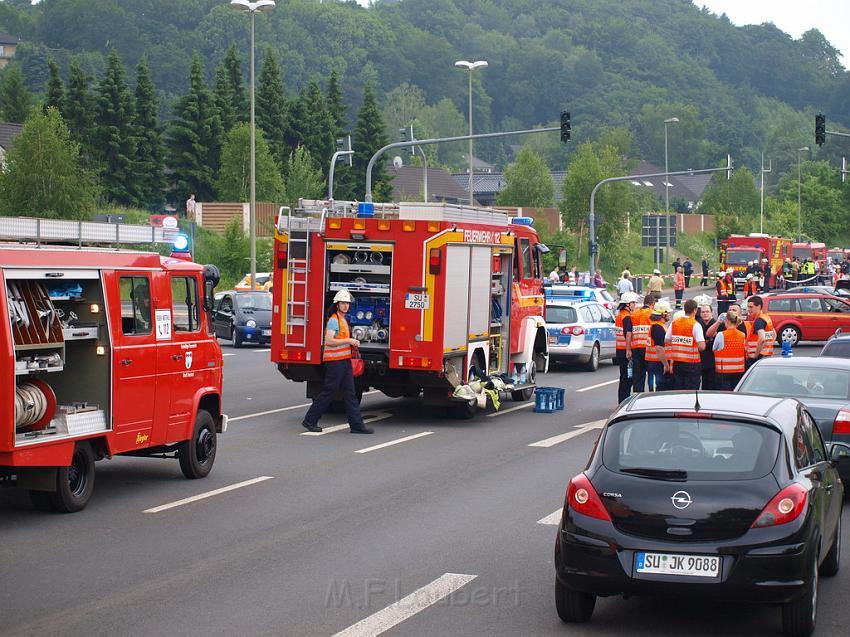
point(105, 352)
point(442, 294)
point(739, 250)
point(817, 252)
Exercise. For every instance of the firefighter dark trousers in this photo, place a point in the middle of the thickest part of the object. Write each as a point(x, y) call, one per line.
point(338, 377)
point(624, 390)
point(687, 375)
point(654, 376)
point(639, 371)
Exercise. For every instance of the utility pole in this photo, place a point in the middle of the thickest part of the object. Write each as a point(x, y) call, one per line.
point(763, 171)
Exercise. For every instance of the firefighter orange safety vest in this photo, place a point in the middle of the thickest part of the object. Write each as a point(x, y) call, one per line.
point(769, 337)
point(651, 352)
point(730, 359)
point(683, 348)
point(750, 289)
point(640, 328)
point(338, 352)
point(618, 329)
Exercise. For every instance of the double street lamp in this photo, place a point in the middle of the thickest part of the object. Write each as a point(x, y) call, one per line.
point(260, 6)
point(470, 66)
point(799, 194)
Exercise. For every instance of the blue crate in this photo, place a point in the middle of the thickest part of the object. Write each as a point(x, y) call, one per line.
point(548, 400)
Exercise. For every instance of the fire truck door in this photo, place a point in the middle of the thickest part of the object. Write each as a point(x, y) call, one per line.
point(185, 356)
point(134, 359)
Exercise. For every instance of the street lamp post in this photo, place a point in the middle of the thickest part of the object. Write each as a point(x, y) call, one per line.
point(799, 194)
point(260, 6)
point(470, 66)
point(761, 208)
point(671, 120)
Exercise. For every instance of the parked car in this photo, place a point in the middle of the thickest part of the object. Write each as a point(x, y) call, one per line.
point(714, 495)
point(578, 293)
point(838, 346)
point(818, 289)
point(244, 317)
point(263, 282)
point(806, 316)
point(579, 331)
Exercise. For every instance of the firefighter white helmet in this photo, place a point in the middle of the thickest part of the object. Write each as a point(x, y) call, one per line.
point(662, 306)
point(343, 296)
point(629, 297)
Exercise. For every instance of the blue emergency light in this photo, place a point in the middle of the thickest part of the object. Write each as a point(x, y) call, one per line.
point(523, 221)
point(180, 243)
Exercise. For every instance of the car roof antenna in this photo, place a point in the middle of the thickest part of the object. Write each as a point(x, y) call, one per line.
point(696, 400)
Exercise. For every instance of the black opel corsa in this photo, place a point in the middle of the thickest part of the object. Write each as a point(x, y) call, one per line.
point(720, 495)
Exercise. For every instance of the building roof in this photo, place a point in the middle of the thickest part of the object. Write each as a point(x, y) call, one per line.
point(687, 187)
point(479, 165)
point(7, 38)
point(493, 183)
point(7, 133)
point(408, 185)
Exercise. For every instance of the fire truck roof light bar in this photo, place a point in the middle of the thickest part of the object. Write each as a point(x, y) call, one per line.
point(80, 232)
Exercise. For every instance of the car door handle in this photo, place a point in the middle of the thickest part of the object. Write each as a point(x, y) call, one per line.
point(177, 357)
point(828, 487)
point(126, 361)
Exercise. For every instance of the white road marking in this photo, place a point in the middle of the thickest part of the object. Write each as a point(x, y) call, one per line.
point(407, 607)
point(580, 429)
point(394, 442)
point(610, 382)
point(368, 417)
point(507, 411)
point(261, 351)
point(290, 408)
point(228, 354)
point(208, 494)
point(553, 519)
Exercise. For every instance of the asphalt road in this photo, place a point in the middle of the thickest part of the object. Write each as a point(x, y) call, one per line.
point(326, 537)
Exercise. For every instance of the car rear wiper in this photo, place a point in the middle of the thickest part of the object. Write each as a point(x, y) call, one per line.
point(677, 475)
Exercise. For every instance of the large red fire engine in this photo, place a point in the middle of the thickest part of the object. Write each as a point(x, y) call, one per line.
point(817, 252)
point(442, 294)
point(105, 352)
point(739, 250)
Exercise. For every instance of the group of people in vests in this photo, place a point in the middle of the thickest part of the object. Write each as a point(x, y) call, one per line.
point(693, 350)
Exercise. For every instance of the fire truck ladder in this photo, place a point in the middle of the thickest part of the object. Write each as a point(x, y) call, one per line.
point(297, 265)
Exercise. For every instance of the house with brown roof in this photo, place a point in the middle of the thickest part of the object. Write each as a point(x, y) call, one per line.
point(8, 132)
point(8, 46)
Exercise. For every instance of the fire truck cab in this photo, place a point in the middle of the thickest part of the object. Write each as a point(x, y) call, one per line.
point(443, 294)
point(739, 250)
point(105, 352)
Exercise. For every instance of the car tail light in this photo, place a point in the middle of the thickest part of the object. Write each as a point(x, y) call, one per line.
point(435, 261)
point(578, 330)
point(582, 498)
point(566, 330)
point(841, 424)
point(786, 506)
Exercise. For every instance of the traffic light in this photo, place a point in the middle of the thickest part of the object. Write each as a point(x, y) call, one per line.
point(406, 134)
point(566, 130)
point(820, 129)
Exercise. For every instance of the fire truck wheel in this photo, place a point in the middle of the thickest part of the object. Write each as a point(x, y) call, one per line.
point(522, 395)
point(75, 483)
point(464, 411)
point(198, 454)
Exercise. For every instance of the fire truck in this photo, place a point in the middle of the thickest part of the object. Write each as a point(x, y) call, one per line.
point(443, 295)
point(739, 249)
point(817, 252)
point(105, 352)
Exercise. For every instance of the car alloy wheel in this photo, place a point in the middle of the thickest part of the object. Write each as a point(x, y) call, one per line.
point(790, 335)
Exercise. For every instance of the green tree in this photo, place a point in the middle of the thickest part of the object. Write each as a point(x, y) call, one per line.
point(15, 99)
point(369, 136)
point(114, 135)
point(823, 214)
point(344, 182)
point(234, 177)
point(528, 182)
point(443, 119)
point(55, 93)
point(223, 95)
point(150, 150)
point(44, 176)
point(402, 105)
point(303, 179)
point(317, 126)
point(194, 138)
point(236, 79)
point(733, 202)
point(78, 108)
point(272, 108)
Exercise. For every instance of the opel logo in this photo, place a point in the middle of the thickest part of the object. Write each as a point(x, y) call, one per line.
point(681, 499)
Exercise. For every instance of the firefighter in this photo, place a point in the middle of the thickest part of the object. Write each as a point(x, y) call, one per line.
point(336, 359)
point(730, 348)
point(623, 334)
point(684, 342)
point(766, 273)
point(656, 358)
point(725, 291)
point(762, 335)
point(750, 287)
point(640, 341)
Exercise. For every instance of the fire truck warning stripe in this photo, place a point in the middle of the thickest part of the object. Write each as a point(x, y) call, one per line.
point(208, 494)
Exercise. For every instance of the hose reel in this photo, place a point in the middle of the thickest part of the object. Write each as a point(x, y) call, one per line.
point(35, 405)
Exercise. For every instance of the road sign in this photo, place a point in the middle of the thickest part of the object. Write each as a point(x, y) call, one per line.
point(653, 232)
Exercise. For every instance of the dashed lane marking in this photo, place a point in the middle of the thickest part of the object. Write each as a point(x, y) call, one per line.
point(553, 519)
point(228, 354)
point(407, 607)
point(592, 387)
point(368, 417)
point(261, 351)
point(579, 430)
point(208, 494)
point(507, 411)
point(394, 442)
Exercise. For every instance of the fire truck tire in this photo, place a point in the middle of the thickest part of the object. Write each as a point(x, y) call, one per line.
point(75, 483)
point(235, 339)
point(197, 455)
point(522, 395)
point(463, 411)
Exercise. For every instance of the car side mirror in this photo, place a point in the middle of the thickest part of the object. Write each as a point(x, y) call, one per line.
point(839, 453)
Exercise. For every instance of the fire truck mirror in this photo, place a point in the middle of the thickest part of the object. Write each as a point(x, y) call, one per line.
point(211, 279)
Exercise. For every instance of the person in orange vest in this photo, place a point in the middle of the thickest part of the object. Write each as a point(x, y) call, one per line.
point(336, 359)
point(679, 286)
point(684, 341)
point(762, 335)
point(730, 351)
point(656, 357)
point(723, 290)
point(640, 341)
point(623, 343)
point(750, 286)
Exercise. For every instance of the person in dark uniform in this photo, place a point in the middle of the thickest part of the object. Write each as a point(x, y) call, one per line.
point(706, 320)
point(704, 281)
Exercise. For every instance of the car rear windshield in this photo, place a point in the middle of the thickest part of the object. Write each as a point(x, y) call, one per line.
point(838, 349)
point(798, 382)
point(690, 449)
point(561, 315)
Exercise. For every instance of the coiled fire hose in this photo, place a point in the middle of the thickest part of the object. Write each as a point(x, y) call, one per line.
point(33, 402)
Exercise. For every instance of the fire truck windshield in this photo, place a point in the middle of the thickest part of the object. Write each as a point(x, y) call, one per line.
point(803, 253)
point(734, 256)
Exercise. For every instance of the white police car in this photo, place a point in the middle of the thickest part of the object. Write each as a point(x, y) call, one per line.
point(579, 331)
point(574, 293)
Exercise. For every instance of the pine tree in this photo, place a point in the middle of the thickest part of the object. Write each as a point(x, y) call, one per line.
point(317, 125)
point(78, 109)
point(303, 179)
point(114, 135)
point(233, 70)
point(344, 186)
point(150, 152)
point(15, 99)
point(272, 108)
point(195, 137)
point(369, 136)
point(55, 93)
point(223, 94)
